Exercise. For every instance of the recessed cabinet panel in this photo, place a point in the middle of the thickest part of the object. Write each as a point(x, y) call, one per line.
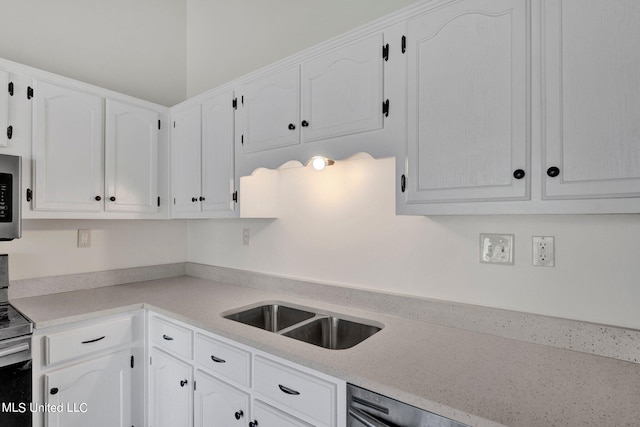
point(268, 416)
point(171, 391)
point(468, 102)
point(269, 112)
point(217, 404)
point(131, 158)
point(591, 99)
point(67, 149)
point(217, 153)
point(342, 90)
point(4, 108)
point(186, 160)
point(95, 393)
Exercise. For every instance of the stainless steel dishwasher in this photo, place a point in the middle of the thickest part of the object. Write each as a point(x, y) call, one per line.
point(369, 409)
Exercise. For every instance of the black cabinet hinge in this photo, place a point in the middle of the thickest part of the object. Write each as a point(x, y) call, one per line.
point(29, 194)
point(234, 196)
point(403, 183)
point(10, 88)
point(241, 139)
point(159, 125)
point(194, 386)
point(9, 132)
point(404, 44)
point(158, 201)
point(385, 52)
point(132, 362)
point(234, 103)
point(29, 92)
point(385, 108)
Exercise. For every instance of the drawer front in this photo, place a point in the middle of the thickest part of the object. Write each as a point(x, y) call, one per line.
point(78, 342)
point(297, 390)
point(223, 359)
point(171, 337)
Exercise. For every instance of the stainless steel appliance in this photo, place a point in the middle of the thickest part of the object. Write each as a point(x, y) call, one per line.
point(15, 359)
point(10, 173)
point(368, 409)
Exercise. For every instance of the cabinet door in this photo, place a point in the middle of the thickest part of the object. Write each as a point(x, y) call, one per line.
point(4, 108)
point(269, 112)
point(186, 161)
point(217, 153)
point(467, 111)
point(170, 388)
point(591, 105)
point(131, 158)
point(96, 393)
point(67, 149)
point(217, 404)
point(342, 90)
point(268, 416)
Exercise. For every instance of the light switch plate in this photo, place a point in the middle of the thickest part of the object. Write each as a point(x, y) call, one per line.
point(497, 248)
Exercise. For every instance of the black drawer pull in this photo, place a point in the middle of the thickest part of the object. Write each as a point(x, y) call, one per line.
point(217, 359)
point(167, 337)
point(288, 390)
point(95, 340)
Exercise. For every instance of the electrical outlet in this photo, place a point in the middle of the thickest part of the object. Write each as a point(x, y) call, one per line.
point(497, 248)
point(544, 251)
point(246, 234)
point(84, 238)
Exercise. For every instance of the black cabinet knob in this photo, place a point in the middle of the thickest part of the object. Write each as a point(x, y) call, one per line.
point(54, 390)
point(98, 198)
point(553, 171)
point(194, 199)
point(518, 174)
point(183, 383)
point(292, 126)
point(239, 414)
point(201, 199)
point(113, 199)
point(304, 123)
point(253, 423)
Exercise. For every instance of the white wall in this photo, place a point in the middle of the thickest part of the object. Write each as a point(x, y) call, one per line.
point(134, 47)
point(227, 39)
point(49, 247)
point(339, 226)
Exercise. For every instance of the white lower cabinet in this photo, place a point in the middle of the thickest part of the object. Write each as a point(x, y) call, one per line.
point(96, 393)
point(90, 373)
point(170, 385)
point(233, 385)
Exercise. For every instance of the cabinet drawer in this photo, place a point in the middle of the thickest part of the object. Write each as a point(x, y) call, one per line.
point(223, 359)
point(170, 336)
point(298, 390)
point(78, 342)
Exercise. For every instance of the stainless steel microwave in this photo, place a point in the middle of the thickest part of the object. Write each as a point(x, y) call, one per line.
point(10, 173)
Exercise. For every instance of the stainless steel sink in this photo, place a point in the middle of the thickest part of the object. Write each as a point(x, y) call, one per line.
point(332, 332)
point(271, 317)
point(325, 330)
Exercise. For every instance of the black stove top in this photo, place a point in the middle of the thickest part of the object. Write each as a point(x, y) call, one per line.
point(12, 323)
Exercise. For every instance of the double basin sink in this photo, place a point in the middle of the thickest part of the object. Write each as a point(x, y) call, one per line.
point(323, 330)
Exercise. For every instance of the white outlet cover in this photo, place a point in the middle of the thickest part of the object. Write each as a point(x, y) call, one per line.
point(497, 248)
point(544, 251)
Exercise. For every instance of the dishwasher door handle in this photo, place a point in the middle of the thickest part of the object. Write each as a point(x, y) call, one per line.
point(365, 418)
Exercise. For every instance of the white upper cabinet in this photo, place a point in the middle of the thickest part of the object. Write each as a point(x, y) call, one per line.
point(269, 111)
point(131, 158)
point(217, 154)
point(186, 160)
point(342, 90)
point(202, 143)
point(467, 103)
point(591, 99)
point(4, 108)
point(67, 149)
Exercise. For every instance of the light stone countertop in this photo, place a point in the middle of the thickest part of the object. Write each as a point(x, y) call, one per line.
point(474, 378)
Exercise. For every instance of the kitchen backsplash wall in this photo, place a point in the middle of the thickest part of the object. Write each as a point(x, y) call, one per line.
point(134, 47)
point(49, 247)
point(339, 226)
